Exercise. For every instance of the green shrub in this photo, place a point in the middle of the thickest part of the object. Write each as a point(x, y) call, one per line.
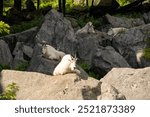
point(86, 67)
point(4, 67)
point(4, 28)
point(147, 53)
point(124, 2)
point(22, 66)
point(10, 92)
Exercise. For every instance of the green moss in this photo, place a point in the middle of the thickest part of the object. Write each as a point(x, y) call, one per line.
point(10, 92)
point(22, 66)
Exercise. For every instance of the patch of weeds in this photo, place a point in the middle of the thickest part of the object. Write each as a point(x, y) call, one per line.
point(86, 67)
point(10, 92)
point(148, 42)
point(147, 54)
point(22, 66)
point(4, 67)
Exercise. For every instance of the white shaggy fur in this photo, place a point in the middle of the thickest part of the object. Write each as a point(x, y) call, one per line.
point(115, 31)
point(88, 28)
point(66, 65)
point(51, 53)
point(139, 55)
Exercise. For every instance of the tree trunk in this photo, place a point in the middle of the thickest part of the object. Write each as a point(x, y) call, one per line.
point(1, 9)
point(87, 3)
point(38, 4)
point(17, 5)
point(64, 6)
point(59, 6)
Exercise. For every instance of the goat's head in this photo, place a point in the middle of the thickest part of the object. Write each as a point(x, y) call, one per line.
point(70, 60)
point(44, 48)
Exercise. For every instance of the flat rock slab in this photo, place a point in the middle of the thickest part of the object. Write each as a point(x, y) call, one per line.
point(38, 86)
point(133, 83)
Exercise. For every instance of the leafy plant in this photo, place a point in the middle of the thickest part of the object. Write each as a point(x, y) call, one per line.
point(10, 92)
point(124, 2)
point(147, 53)
point(4, 67)
point(4, 28)
point(22, 66)
point(86, 67)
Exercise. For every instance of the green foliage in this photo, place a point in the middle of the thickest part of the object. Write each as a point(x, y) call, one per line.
point(53, 3)
point(86, 67)
point(10, 92)
point(27, 25)
point(147, 53)
point(4, 28)
point(22, 66)
point(124, 2)
point(147, 40)
point(4, 67)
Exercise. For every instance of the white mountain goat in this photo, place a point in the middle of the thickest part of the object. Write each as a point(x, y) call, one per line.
point(115, 31)
point(88, 28)
point(51, 53)
point(66, 65)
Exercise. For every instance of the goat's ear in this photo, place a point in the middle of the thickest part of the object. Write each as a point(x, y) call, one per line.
point(75, 57)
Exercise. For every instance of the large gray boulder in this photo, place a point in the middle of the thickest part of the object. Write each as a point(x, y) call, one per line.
point(5, 54)
point(22, 54)
point(88, 44)
point(108, 92)
point(37, 86)
point(107, 58)
point(25, 36)
point(40, 64)
point(133, 83)
point(57, 31)
point(123, 21)
point(129, 43)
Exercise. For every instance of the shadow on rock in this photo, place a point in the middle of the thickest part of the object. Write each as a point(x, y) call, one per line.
point(89, 93)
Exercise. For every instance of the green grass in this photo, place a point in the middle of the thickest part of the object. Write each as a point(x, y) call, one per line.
point(10, 92)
